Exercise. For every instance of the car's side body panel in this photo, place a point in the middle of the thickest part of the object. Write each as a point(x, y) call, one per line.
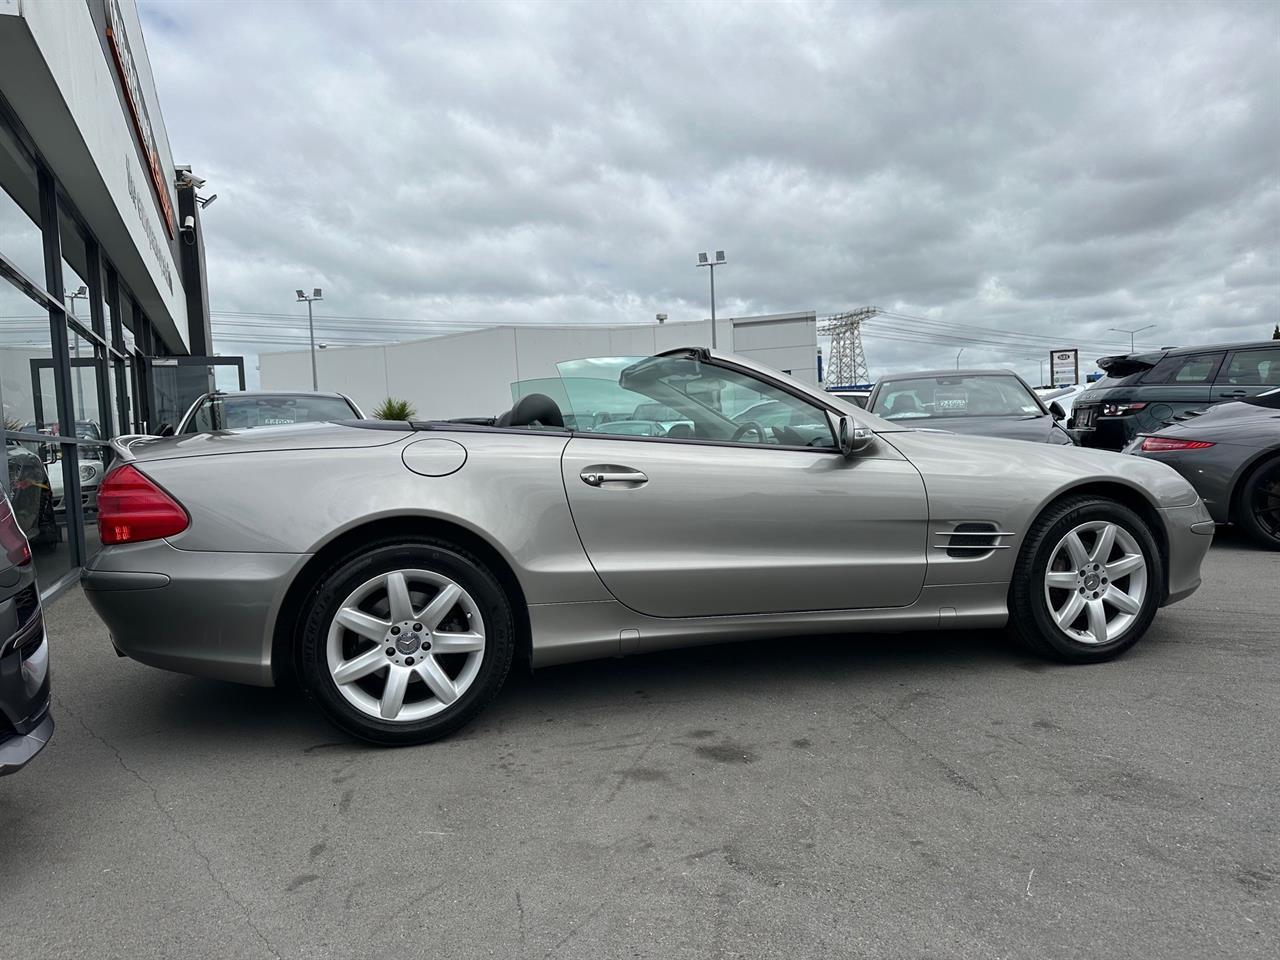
point(718, 530)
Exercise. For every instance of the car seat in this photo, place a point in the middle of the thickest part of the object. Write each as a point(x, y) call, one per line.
point(537, 409)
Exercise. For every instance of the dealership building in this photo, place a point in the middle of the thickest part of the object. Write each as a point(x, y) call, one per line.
point(104, 317)
point(470, 374)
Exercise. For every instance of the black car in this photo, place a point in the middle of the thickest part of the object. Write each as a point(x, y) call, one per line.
point(1143, 391)
point(990, 403)
point(25, 721)
point(1231, 454)
point(32, 494)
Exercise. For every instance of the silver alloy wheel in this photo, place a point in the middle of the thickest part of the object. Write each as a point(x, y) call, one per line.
point(1096, 582)
point(386, 639)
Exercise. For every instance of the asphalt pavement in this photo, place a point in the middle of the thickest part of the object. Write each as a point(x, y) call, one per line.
point(906, 796)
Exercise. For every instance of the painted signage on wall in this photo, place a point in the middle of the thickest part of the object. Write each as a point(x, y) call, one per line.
point(128, 71)
point(1064, 367)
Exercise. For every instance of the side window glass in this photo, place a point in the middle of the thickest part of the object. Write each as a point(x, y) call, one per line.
point(1253, 368)
point(200, 421)
point(1186, 369)
point(679, 399)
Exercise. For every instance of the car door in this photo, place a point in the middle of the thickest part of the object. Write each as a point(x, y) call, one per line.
point(695, 527)
point(1248, 372)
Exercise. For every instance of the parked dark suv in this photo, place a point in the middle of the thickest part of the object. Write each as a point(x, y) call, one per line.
point(25, 721)
point(1142, 391)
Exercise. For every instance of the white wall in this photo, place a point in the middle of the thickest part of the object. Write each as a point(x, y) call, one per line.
point(470, 374)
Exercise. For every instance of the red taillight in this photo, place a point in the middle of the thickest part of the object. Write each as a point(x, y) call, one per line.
point(131, 507)
point(12, 540)
point(1162, 444)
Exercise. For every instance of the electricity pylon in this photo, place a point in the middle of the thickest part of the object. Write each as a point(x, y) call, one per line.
point(847, 364)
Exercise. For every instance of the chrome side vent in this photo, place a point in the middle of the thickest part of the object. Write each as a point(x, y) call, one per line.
point(972, 539)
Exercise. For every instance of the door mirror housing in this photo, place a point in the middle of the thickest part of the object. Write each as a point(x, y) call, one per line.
point(166, 430)
point(851, 437)
point(1056, 411)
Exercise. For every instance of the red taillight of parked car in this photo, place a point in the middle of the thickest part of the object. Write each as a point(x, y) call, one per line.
point(1165, 444)
point(132, 508)
point(12, 540)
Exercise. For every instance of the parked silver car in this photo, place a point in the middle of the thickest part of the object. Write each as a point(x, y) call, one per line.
point(397, 569)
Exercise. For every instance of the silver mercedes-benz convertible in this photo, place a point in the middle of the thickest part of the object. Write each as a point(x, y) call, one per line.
point(397, 570)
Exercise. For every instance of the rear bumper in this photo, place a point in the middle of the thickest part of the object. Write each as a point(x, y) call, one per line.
point(210, 614)
point(1107, 433)
point(17, 750)
point(1189, 531)
point(25, 721)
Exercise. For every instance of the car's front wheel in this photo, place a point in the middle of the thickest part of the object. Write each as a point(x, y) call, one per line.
point(406, 642)
point(1088, 581)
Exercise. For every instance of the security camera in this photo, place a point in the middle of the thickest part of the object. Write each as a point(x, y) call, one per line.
point(188, 223)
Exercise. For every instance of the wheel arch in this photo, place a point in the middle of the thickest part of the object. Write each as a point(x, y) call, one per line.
point(284, 631)
point(1130, 497)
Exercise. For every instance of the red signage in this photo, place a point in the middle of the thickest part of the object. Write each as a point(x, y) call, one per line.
point(128, 71)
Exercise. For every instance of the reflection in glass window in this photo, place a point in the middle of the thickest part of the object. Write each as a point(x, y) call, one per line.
point(20, 239)
point(26, 372)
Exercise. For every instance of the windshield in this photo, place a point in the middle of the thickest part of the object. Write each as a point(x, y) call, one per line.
point(677, 397)
point(982, 395)
point(241, 412)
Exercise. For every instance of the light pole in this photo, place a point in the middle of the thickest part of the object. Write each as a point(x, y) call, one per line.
point(1039, 360)
point(704, 262)
point(81, 294)
point(311, 326)
point(1131, 332)
point(958, 352)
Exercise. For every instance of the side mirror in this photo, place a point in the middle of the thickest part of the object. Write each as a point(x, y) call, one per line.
point(851, 438)
point(1055, 409)
point(166, 430)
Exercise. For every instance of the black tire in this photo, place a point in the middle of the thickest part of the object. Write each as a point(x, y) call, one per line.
point(1031, 620)
point(1258, 509)
point(337, 584)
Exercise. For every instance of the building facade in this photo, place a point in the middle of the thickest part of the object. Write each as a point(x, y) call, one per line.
point(470, 374)
point(101, 289)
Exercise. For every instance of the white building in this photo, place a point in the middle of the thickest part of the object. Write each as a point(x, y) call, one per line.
point(470, 374)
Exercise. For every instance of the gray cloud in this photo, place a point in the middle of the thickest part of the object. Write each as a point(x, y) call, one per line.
point(1039, 168)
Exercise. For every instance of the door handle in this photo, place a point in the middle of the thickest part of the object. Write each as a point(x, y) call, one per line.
point(597, 476)
point(1234, 393)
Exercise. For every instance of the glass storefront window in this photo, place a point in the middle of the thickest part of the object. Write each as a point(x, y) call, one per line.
point(20, 239)
point(84, 388)
point(26, 364)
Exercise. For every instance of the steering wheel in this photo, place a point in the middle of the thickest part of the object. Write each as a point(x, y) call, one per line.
point(746, 427)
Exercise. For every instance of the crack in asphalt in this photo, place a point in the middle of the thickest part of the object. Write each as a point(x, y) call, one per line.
point(173, 824)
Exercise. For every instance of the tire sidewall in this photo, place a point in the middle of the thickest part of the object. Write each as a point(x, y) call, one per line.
point(341, 580)
point(1050, 536)
point(1247, 515)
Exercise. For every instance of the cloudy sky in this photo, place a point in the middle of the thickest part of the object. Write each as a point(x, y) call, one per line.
point(1044, 172)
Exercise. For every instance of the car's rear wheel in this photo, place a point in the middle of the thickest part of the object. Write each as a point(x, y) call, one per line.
point(406, 642)
point(1087, 583)
point(1259, 510)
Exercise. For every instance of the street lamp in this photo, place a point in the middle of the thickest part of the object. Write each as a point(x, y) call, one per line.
point(311, 326)
point(1131, 332)
point(704, 262)
point(958, 352)
point(81, 294)
point(1039, 360)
